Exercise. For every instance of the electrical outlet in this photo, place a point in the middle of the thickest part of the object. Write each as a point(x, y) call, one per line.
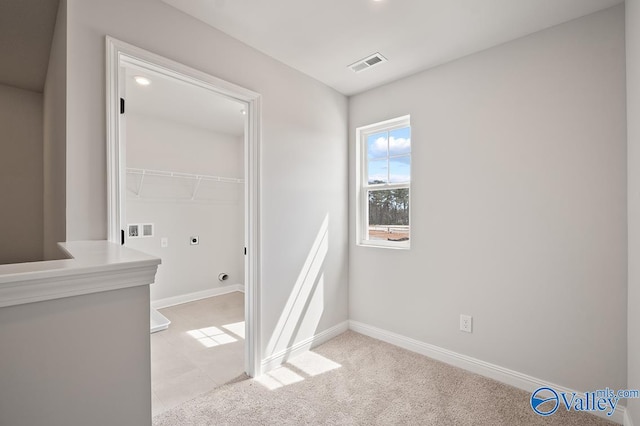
point(194, 241)
point(466, 323)
point(164, 242)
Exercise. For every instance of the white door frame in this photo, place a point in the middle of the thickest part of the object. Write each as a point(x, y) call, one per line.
point(119, 53)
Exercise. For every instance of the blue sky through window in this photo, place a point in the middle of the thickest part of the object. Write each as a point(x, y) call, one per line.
point(388, 155)
point(400, 141)
point(377, 145)
point(399, 169)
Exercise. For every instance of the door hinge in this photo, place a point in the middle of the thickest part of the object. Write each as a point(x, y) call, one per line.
point(122, 237)
point(245, 251)
point(121, 105)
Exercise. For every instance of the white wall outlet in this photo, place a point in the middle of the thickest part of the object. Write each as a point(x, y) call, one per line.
point(194, 240)
point(164, 242)
point(466, 323)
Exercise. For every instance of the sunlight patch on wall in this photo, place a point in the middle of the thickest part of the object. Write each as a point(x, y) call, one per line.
point(305, 305)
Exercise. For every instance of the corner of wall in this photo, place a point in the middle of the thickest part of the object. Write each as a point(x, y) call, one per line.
point(54, 139)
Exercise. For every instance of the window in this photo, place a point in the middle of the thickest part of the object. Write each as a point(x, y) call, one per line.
point(384, 183)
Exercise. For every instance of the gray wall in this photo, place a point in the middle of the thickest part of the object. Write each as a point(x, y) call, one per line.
point(518, 206)
point(216, 216)
point(20, 175)
point(304, 151)
point(633, 182)
point(66, 361)
point(55, 133)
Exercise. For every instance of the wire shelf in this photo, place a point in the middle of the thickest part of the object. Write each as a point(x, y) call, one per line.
point(197, 178)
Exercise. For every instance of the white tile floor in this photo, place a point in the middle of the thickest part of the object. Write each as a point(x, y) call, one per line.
point(202, 349)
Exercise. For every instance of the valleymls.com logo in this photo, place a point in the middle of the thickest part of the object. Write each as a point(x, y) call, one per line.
point(545, 401)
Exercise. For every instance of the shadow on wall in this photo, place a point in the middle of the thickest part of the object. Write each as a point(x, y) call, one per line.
point(305, 305)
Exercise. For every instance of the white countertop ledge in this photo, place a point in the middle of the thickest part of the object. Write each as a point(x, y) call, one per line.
point(92, 267)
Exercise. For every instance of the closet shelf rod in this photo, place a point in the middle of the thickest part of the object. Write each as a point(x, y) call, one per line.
point(180, 175)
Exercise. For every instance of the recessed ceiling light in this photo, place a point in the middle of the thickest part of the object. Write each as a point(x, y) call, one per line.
point(243, 111)
point(142, 81)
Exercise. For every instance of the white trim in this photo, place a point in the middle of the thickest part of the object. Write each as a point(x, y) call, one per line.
point(198, 295)
point(281, 357)
point(253, 238)
point(77, 284)
point(120, 53)
point(114, 184)
point(95, 266)
point(627, 421)
point(486, 369)
point(390, 124)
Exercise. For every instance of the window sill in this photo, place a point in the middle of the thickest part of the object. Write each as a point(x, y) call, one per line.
point(385, 245)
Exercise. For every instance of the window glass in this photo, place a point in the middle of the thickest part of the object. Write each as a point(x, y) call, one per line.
point(389, 214)
point(400, 169)
point(378, 171)
point(377, 145)
point(400, 141)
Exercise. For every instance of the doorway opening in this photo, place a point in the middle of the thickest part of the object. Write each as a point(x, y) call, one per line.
point(183, 150)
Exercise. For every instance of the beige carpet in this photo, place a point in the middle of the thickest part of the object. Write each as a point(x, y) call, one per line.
point(356, 380)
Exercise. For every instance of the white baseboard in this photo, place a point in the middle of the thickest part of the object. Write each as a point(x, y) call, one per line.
point(492, 371)
point(627, 419)
point(192, 297)
point(281, 357)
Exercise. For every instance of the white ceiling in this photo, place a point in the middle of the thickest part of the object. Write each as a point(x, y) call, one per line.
point(172, 100)
point(26, 31)
point(321, 38)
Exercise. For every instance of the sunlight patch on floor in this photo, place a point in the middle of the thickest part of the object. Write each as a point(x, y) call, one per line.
point(309, 364)
point(281, 376)
point(211, 336)
point(313, 363)
point(236, 328)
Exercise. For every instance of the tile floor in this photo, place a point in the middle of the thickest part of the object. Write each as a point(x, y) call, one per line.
point(202, 349)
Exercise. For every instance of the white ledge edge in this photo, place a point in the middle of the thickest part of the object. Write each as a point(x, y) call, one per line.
point(95, 266)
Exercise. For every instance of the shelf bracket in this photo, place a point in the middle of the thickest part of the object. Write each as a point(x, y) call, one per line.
point(140, 185)
point(195, 190)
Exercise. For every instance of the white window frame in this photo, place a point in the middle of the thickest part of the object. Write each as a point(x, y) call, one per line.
point(363, 186)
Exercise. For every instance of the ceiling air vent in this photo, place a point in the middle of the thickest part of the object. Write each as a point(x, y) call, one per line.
point(368, 62)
